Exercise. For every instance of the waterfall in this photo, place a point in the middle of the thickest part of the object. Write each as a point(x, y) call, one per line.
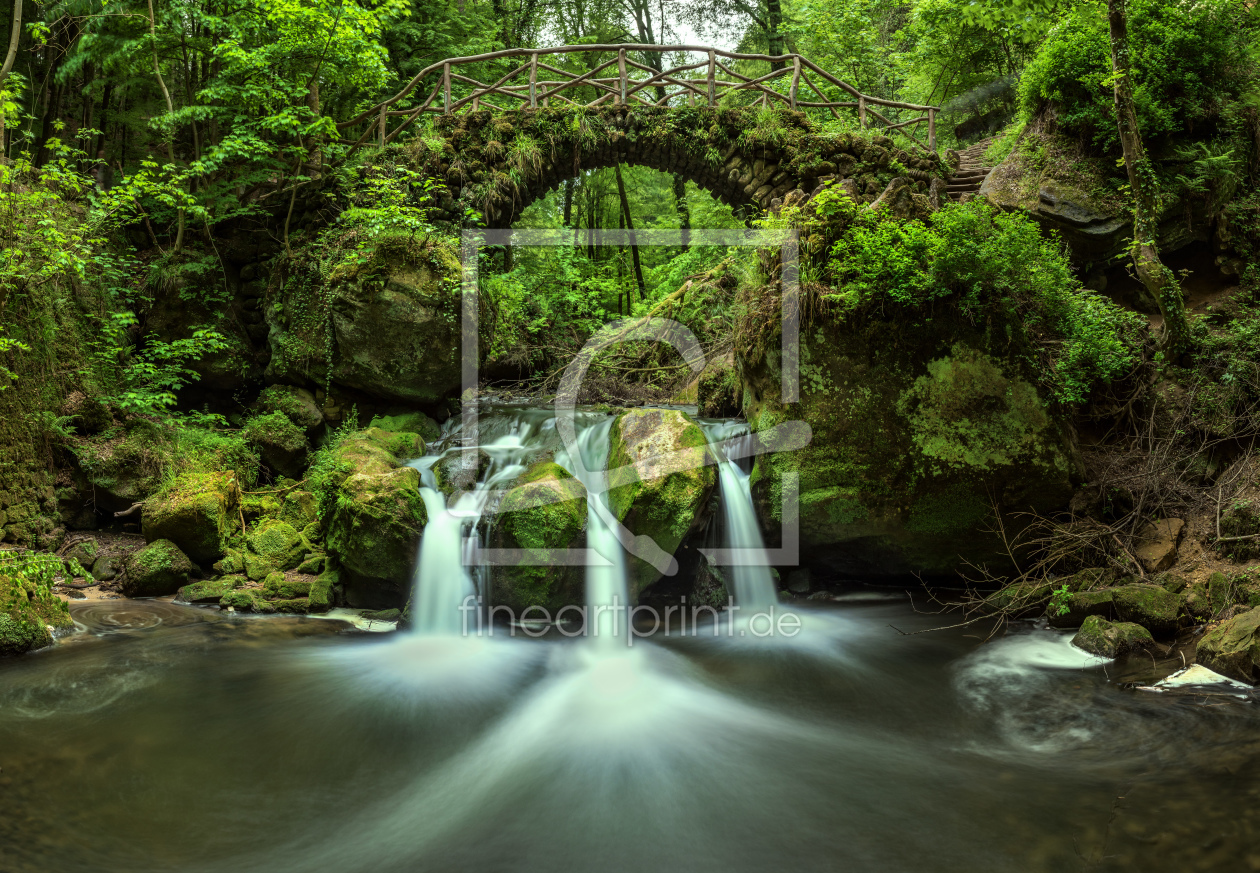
point(753, 583)
point(605, 580)
point(443, 576)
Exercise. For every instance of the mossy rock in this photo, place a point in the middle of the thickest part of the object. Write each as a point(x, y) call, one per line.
point(661, 474)
point(231, 564)
point(84, 551)
point(278, 542)
point(247, 600)
point(28, 610)
point(1171, 582)
point(159, 568)
point(299, 508)
point(277, 587)
point(198, 513)
point(281, 443)
point(917, 428)
point(292, 606)
point(718, 389)
point(544, 511)
point(256, 566)
point(404, 445)
point(1233, 647)
point(1081, 606)
point(1196, 602)
point(394, 320)
point(297, 404)
point(1112, 640)
point(312, 565)
point(408, 422)
point(106, 568)
point(1151, 606)
point(323, 595)
point(375, 529)
point(210, 591)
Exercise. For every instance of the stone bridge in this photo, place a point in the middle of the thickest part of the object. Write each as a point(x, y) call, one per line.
point(496, 163)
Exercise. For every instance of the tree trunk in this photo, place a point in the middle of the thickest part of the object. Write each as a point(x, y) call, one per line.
point(634, 249)
point(568, 203)
point(774, 32)
point(1151, 272)
point(684, 214)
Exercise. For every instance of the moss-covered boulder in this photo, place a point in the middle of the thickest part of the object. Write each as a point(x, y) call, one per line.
point(296, 403)
point(544, 511)
point(1233, 647)
point(395, 331)
point(1112, 640)
point(919, 427)
point(1016, 599)
point(247, 600)
point(210, 591)
point(375, 527)
point(1080, 606)
point(279, 587)
point(157, 569)
point(1151, 606)
point(29, 611)
point(323, 594)
point(280, 442)
point(403, 445)
point(84, 551)
point(408, 422)
point(198, 513)
point(105, 568)
point(278, 542)
point(660, 476)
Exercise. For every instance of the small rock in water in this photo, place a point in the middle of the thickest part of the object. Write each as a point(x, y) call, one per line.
point(1112, 639)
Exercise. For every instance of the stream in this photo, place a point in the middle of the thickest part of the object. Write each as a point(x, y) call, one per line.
point(165, 737)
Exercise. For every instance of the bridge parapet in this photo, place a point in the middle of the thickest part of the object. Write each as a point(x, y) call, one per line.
point(632, 75)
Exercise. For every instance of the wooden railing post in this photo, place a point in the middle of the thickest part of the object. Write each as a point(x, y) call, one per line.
point(932, 129)
point(446, 88)
point(621, 73)
point(862, 112)
point(712, 78)
point(382, 126)
point(796, 79)
point(533, 81)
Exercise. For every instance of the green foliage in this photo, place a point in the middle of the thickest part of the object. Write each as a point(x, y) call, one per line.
point(1059, 599)
point(149, 382)
point(327, 470)
point(1190, 59)
point(991, 267)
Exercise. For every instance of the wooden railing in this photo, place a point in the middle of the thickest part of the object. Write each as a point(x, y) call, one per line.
point(623, 80)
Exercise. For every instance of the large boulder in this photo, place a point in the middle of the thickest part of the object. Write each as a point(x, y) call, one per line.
point(1157, 544)
point(278, 542)
point(1080, 606)
point(395, 324)
point(545, 510)
point(1233, 647)
point(660, 476)
point(29, 611)
point(375, 527)
point(1152, 606)
point(198, 513)
point(281, 443)
point(159, 568)
point(296, 403)
point(919, 428)
point(1112, 640)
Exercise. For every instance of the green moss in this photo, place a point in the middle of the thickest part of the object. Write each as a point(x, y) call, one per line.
point(197, 512)
point(408, 422)
point(1151, 606)
point(278, 543)
point(323, 596)
point(661, 474)
point(157, 569)
point(545, 510)
point(955, 510)
point(1112, 640)
point(277, 587)
point(211, 591)
point(403, 446)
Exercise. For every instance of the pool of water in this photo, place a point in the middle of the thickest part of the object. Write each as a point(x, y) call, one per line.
point(168, 738)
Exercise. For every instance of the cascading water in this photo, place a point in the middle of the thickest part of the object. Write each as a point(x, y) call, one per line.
point(753, 583)
point(605, 580)
point(443, 581)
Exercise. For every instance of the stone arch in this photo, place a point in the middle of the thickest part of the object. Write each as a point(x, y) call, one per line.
point(498, 163)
